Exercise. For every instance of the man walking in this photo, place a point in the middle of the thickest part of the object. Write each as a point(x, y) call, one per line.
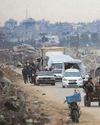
point(24, 73)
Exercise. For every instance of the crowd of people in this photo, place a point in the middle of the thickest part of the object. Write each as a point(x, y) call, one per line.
point(29, 72)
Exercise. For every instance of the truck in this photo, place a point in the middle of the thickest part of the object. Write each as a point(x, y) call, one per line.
point(47, 51)
point(61, 62)
point(56, 60)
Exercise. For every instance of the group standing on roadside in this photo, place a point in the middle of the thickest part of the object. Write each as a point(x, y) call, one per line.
point(29, 72)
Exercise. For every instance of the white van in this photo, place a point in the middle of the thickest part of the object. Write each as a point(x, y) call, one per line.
point(72, 77)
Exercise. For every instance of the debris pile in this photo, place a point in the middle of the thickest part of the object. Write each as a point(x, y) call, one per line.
point(10, 74)
point(12, 102)
point(14, 107)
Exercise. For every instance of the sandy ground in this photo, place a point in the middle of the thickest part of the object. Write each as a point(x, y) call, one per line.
point(48, 103)
point(57, 110)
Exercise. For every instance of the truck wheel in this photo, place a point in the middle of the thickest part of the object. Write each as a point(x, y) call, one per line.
point(75, 116)
point(88, 103)
point(52, 84)
point(85, 101)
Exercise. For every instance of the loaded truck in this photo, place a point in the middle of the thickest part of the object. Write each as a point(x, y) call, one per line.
point(54, 58)
point(46, 52)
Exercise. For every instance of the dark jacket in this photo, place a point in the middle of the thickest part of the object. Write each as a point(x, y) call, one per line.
point(29, 71)
point(24, 72)
point(88, 87)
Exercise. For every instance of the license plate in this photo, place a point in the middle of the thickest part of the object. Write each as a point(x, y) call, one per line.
point(73, 81)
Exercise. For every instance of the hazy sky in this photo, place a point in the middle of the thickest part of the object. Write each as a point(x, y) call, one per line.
point(52, 10)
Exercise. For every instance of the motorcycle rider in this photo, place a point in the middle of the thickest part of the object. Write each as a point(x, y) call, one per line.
point(89, 87)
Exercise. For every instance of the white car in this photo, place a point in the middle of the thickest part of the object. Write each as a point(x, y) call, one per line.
point(45, 77)
point(72, 77)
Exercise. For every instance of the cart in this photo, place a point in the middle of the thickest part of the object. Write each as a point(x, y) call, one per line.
point(92, 97)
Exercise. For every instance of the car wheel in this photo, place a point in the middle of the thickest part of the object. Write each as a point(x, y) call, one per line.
point(52, 84)
point(63, 86)
point(37, 83)
point(81, 86)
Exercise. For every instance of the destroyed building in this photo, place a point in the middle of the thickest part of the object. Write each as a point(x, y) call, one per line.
point(24, 52)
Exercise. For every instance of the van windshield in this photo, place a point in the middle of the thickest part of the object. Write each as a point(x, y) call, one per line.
point(72, 74)
point(57, 71)
point(57, 65)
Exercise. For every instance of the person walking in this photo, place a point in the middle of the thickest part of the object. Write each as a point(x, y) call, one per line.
point(25, 74)
point(29, 71)
point(33, 73)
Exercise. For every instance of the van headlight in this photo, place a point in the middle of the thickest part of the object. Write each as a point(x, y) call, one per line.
point(64, 79)
point(80, 79)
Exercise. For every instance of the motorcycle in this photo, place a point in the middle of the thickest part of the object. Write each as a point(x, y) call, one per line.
point(72, 102)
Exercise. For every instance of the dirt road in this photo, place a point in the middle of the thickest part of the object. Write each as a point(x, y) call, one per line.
point(51, 99)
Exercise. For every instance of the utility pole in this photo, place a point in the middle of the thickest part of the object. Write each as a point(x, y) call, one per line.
point(26, 16)
point(42, 58)
point(77, 45)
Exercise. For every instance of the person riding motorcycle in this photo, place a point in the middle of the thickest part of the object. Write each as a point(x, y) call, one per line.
point(89, 87)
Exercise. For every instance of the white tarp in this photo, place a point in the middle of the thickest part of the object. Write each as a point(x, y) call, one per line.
point(59, 57)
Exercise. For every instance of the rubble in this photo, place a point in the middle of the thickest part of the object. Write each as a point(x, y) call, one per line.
point(14, 107)
point(12, 104)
